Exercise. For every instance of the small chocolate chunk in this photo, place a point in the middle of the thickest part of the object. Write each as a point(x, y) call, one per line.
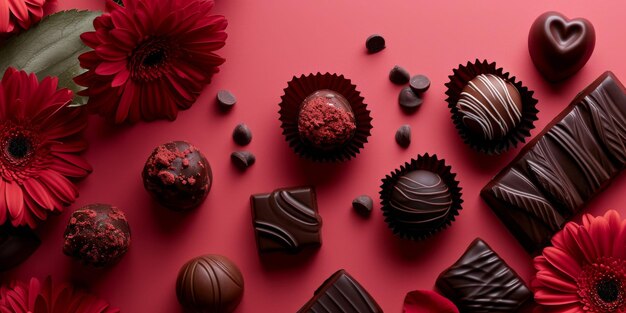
point(16, 245)
point(399, 76)
point(242, 159)
point(375, 43)
point(226, 99)
point(242, 134)
point(363, 205)
point(419, 83)
point(403, 136)
point(408, 100)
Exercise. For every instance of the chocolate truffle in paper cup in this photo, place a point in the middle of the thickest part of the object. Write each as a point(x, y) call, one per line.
point(420, 198)
point(323, 117)
point(491, 111)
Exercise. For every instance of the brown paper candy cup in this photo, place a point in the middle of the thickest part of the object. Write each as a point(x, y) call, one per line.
point(301, 87)
point(423, 162)
point(460, 78)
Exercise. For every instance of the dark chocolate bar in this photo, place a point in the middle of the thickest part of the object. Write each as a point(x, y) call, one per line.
point(341, 294)
point(286, 220)
point(573, 159)
point(480, 281)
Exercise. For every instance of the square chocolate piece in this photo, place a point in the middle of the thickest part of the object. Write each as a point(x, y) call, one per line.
point(341, 294)
point(286, 220)
point(480, 281)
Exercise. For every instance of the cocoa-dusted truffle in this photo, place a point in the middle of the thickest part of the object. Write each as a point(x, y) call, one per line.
point(326, 120)
point(209, 284)
point(177, 175)
point(490, 107)
point(97, 234)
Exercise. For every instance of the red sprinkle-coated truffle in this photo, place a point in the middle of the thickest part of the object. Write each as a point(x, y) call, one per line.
point(177, 175)
point(326, 120)
point(97, 234)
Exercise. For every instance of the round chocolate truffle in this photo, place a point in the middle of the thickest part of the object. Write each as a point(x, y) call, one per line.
point(97, 234)
point(177, 175)
point(209, 284)
point(326, 120)
point(490, 107)
point(420, 201)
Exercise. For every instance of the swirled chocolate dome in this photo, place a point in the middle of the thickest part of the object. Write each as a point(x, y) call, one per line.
point(420, 201)
point(490, 107)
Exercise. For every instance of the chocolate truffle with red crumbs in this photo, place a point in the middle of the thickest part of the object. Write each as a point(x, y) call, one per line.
point(97, 234)
point(326, 120)
point(177, 175)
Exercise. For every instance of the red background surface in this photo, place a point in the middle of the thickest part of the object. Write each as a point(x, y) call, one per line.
point(269, 42)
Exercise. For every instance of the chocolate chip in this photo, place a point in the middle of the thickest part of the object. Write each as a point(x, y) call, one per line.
point(403, 136)
point(225, 99)
point(408, 100)
point(242, 159)
point(363, 205)
point(419, 83)
point(242, 134)
point(399, 75)
point(375, 43)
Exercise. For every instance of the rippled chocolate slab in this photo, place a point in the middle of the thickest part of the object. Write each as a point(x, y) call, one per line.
point(573, 159)
point(480, 281)
point(286, 220)
point(341, 293)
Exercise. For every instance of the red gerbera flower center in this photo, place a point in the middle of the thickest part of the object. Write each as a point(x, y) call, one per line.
point(602, 286)
point(151, 59)
point(19, 151)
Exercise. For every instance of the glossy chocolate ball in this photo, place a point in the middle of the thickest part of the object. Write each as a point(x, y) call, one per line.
point(326, 120)
point(97, 234)
point(209, 284)
point(420, 201)
point(177, 175)
point(490, 107)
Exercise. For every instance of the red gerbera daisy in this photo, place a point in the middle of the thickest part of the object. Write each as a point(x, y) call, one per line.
point(585, 268)
point(37, 297)
point(40, 137)
point(16, 15)
point(150, 58)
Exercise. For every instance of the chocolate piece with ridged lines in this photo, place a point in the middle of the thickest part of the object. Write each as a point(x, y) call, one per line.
point(480, 281)
point(341, 293)
point(209, 284)
point(573, 159)
point(286, 220)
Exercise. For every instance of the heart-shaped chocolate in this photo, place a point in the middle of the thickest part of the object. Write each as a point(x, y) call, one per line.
point(560, 47)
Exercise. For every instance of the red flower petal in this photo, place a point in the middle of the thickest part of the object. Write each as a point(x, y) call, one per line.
point(426, 301)
point(19, 9)
point(14, 199)
point(555, 299)
point(110, 68)
point(4, 17)
point(562, 261)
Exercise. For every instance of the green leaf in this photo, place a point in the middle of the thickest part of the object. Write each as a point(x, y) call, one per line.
point(51, 48)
